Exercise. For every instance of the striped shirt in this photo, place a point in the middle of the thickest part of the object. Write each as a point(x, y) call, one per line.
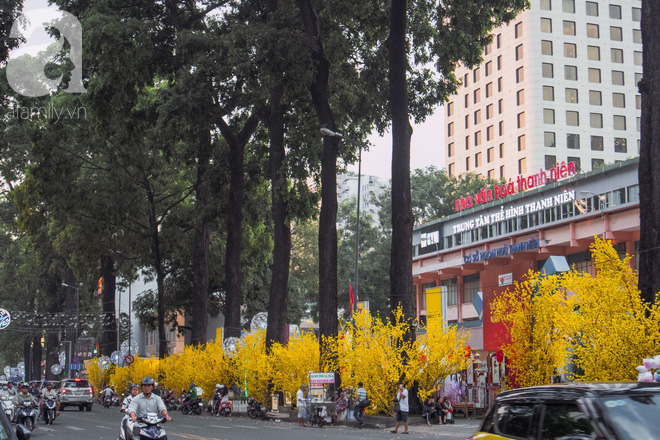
point(360, 394)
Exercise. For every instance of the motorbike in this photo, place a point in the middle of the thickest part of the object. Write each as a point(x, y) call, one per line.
point(256, 409)
point(115, 400)
point(107, 401)
point(8, 406)
point(317, 413)
point(194, 407)
point(26, 414)
point(223, 409)
point(50, 409)
point(148, 428)
point(174, 405)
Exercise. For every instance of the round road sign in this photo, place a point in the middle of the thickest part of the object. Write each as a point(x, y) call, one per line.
point(76, 360)
point(129, 359)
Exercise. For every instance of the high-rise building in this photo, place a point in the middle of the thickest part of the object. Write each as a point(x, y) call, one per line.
point(557, 84)
point(371, 188)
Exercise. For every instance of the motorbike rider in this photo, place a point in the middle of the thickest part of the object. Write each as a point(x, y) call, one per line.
point(124, 407)
point(108, 392)
point(23, 396)
point(146, 402)
point(192, 395)
point(10, 388)
point(224, 396)
point(49, 391)
point(33, 389)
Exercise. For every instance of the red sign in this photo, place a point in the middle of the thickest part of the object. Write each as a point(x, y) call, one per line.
point(129, 359)
point(560, 171)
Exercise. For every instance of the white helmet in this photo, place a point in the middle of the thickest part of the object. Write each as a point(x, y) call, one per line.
point(218, 386)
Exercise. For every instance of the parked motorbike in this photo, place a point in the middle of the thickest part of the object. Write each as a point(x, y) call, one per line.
point(148, 427)
point(173, 405)
point(223, 409)
point(318, 413)
point(194, 407)
point(256, 409)
point(50, 409)
point(27, 414)
point(8, 406)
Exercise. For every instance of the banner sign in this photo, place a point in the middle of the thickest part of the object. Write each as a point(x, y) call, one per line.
point(5, 319)
point(319, 378)
point(505, 279)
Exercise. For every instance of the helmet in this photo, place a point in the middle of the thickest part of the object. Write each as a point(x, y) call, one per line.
point(25, 385)
point(148, 381)
point(48, 384)
point(134, 385)
point(112, 386)
point(217, 386)
point(192, 385)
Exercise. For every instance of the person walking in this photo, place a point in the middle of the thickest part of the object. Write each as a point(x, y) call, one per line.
point(404, 408)
point(300, 403)
point(360, 404)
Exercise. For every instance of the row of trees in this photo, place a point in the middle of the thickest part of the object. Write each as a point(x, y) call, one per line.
point(192, 152)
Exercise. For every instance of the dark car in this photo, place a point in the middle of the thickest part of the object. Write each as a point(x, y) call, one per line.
point(76, 392)
point(21, 433)
point(578, 411)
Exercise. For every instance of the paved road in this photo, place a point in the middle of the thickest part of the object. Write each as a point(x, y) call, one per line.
point(103, 424)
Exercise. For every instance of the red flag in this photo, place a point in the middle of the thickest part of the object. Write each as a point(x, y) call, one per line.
point(351, 290)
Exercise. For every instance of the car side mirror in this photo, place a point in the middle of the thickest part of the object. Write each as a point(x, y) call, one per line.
point(22, 432)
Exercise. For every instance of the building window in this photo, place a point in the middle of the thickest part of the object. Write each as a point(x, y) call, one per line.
point(466, 80)
point(570, 50)
point(637, 14)
point(475, 75)
point(467, 142)
point(499, 62)
point(521, 143)
point(499, 40)
point(489, 90)
point(520, 74)
point(546, 25)
point(467, 164)
point(490, 133)
point(490, 154)
point(637, 56)
point(550, 161)
point(638, 102)
point(501, 151)
point(521, 120)
point(520, 97)
point(615, 12)
point(572, 96)
point(576, 161)
point(499, 84)
point(500, 106)
point(573, 141)
point(572, 118)
point(450, 129)
point(595, 97)
point(637, 36)
point(519, 52)
point(467, 121)
point(450, 108)
point(597, 163)
point(592, 9)
point(594, 75)
point(619, 100)
point(477, 95)
point(491, 174)
point(638, 78)
point(477, 160)
point(488, 49)
point(548, 116)
point(451, 170)
point(500, 128)
point(568, 6)
point(569, 27)
point(467, 100)
point(477, 138)
point(617, 78)
point(546, 5)
point(522, 166)
point(570, 73)
point(616, 33)
point(489, 68)
point(518, 30)
point(547, 70)
point(548, 93)
point(549, 139)
point(619, 122)
point(597, 143)
point(452, 291)
point(620, 145)
point(617, 55)
point(501, 171)
point(477, 117)
point(450, 149)
point(593, 53)
point(593, 31)
point(470, 287)
point(596, 120)
point(489, 111)
point(546, 47)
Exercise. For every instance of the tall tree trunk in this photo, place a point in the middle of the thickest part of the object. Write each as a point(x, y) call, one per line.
point(108, 291)
point(328, 301)
point(649, 155)
point(279, 283)
point(233, 272)
point(200, 291)
point(52, 354)
point(70, 298)
point(37, 354)
point(27, 357)
point(401, 292)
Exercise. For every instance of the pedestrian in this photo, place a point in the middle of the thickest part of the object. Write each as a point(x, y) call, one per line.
point(300, 403)
point(404, 408)
point(429, 410)
point(445, 410)
point(360, 404)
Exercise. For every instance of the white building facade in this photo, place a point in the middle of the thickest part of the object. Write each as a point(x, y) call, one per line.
point(558, 84)
point(371, 188)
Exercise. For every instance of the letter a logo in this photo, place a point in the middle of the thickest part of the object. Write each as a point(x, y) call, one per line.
point(25, 74)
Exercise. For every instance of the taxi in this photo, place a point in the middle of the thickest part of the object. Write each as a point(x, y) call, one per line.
point(576, 411)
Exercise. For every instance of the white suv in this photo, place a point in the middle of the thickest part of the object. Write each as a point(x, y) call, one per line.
point(76, 392)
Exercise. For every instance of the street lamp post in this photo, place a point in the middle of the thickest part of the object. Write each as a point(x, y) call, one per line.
point(327, 132)
point(75, 336)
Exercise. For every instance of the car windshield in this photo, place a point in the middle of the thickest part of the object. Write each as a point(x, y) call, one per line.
point(77, 384)
point(633, 417)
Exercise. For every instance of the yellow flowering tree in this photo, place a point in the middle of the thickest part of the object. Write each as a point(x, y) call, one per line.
point(540, 319)
point(292, 363)
point(615, 330)
point(253, 367)
point(439, 353)
point(372, 351)
point(96, 376)
point(122, 377)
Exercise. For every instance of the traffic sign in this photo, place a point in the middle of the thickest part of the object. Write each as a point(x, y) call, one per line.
point(76, 366)
point(129, 359)
point(75, 360)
